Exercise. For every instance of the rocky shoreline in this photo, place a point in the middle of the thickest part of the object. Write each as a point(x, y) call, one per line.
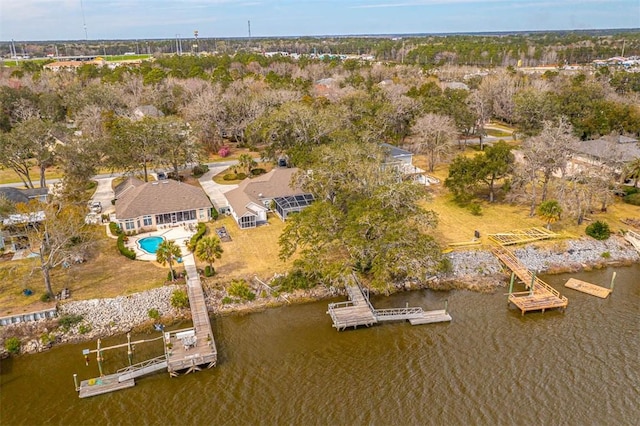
point(476, 270)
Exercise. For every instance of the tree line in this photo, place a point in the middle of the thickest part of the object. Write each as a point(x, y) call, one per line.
point(330, 117)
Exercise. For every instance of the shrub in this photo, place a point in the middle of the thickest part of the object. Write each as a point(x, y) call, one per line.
point(258, 171)
point(241, 176)
point(229, 176)
point(240, 288)
point(199, 170)
point(224, 151)
point(12, 345)
point(292, 281)
point(179, 299)
point(599, 230)
point(45, 297)
point(84, 328)
point(172, 277)
point(153, 314)
point(209, 271)
point(475, 209)
point(114, 228)
point(68, 321)
point(214, 213)
point(227, 300)
point(202, 229)
point(124, 250)
point(47, 338)
point(606, 255)
point(633, 199)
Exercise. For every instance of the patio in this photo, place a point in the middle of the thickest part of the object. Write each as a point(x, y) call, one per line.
point(180, 234)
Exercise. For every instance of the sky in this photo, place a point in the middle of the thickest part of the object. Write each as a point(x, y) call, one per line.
point(145, 19)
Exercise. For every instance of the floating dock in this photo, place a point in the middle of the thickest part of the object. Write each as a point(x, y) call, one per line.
point(101, 385)
point(359, 311)
point(585, 287)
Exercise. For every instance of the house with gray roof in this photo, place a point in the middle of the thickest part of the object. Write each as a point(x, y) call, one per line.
point(12, 234)
point(155, 205)
point(249, 203)
point(17, 195)
point(607, 150)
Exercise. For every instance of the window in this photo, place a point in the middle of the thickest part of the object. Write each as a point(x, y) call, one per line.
point(129, 225)
point(146, 220)
point(247, 222)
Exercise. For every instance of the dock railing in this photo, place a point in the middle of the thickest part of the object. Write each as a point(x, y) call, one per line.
point(144, 364)
point(397, 313)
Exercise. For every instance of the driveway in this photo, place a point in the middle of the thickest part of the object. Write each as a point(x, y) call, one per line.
point(104, 193)
point(214, 190)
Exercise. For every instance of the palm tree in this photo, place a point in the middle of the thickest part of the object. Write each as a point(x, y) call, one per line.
point(550, 210)
point(633, 171)
point(167, 252)
point(209, 249)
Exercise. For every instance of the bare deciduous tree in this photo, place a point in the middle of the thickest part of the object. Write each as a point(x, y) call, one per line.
point(435, 136)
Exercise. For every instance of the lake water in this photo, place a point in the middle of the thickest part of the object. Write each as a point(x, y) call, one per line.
point(287, 365)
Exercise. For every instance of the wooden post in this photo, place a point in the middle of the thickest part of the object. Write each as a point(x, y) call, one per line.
point(446, 306)
point(613, 278)
point(513, 277)
point(99, 358)
point(129, 350)
point(75, 381)
point(533, 280)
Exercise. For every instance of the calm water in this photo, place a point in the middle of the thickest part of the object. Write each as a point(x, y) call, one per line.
point(289, 366)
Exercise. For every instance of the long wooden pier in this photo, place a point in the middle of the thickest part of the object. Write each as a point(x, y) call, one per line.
point(359, 311)
point(185, 351)
point(540, 297)
point(192, 349)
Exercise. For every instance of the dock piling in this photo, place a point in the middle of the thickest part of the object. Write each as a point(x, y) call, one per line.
point(75, 381)
point(129, 350)
point(613, 278)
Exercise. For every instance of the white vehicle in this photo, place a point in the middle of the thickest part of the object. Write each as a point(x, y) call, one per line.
point(96, 207)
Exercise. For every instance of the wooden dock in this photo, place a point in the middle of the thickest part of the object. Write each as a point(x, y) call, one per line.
point(588, 288)
point(101, 385)
point(634, 239)
point(359, 311)
point(186, 350)
point(540, 297)
point(521, 236)
point(192, 349)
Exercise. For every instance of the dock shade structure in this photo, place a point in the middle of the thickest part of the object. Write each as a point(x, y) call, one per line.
point(292, 204)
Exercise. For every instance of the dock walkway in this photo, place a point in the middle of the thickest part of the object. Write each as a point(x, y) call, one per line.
point(193, 348)
point(634, 239)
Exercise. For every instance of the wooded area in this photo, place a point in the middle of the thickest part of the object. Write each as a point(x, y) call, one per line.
point(433, 96)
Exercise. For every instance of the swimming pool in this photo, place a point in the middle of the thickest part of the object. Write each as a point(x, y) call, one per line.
point(150, 244)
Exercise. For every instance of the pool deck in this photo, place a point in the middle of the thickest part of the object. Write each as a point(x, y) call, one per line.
point(179, 234)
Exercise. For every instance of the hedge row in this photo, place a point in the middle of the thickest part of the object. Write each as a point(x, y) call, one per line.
point(202, 229)
point(125, 251)
point(114, 228)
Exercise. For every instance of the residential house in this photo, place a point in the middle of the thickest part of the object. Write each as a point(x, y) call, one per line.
point(13, 233)
point(249, 203)
point(142, 207)
point(608, 151)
